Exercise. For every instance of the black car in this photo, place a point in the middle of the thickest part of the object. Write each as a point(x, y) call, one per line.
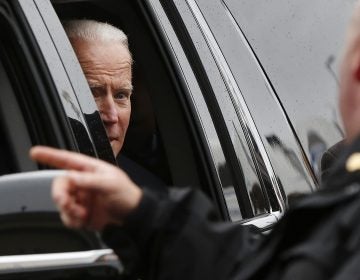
point(243, 95)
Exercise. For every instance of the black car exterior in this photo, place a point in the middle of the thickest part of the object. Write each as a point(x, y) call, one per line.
point(243, 95)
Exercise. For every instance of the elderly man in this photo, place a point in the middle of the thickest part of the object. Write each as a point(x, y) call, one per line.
point(105, 58)
point(178, 237)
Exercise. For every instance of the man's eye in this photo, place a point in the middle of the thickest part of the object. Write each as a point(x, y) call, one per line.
point(120, 96)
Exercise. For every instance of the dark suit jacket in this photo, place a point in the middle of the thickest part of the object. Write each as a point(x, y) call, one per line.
point(140, 175)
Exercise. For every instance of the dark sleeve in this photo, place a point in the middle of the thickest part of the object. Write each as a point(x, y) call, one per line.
point(178, 236)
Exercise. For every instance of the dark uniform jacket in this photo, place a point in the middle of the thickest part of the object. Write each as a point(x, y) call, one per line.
point(178, 236)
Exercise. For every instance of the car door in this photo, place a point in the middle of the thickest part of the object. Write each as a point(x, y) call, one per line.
point(37, 106)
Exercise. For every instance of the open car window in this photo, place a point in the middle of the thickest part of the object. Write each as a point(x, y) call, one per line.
point(159, 137)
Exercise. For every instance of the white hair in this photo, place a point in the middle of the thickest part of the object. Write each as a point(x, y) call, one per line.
point(91, 30)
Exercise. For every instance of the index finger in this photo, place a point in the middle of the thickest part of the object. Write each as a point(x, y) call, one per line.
point(63, 159)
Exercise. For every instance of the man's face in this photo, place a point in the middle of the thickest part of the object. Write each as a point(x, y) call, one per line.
point(107, 67)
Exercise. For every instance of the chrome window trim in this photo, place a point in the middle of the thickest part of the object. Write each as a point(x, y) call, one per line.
point(21, 263)
point(265, 221)
point(235, 93)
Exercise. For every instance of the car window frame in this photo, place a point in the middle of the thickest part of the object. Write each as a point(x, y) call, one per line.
point(176, 21)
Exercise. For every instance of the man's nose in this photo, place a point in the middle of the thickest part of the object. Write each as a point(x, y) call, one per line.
point(108, 110)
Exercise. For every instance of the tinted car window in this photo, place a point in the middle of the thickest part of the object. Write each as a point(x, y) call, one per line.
point(298, 44)
point(16, 134)
point(15, 141)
